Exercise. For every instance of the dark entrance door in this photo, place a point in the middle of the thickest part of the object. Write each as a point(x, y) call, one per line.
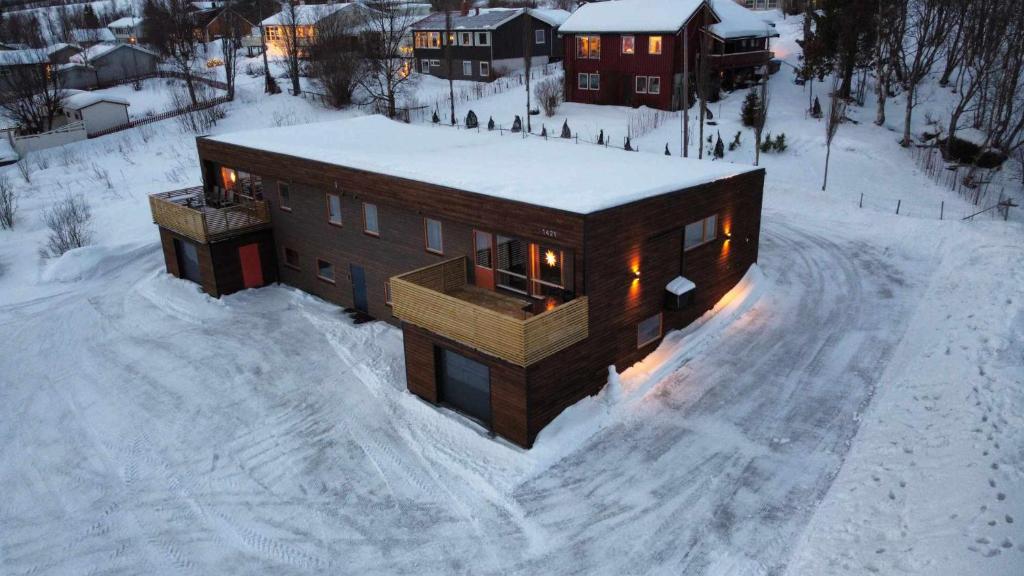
point(188, 260)
point(252, 269)
point(358, 287)
point(464, 384)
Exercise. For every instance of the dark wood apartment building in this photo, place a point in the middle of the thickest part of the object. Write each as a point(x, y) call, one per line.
point(487, 43)
point(637, 52)
point(515, 290)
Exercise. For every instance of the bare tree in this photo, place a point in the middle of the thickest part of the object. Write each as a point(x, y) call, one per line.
point(703, 78)
point(836, 113)
point(8, 203)
point(885, 39)
point(291, 24)
point(527, 59)
point(230, 44)
point(70, 224)
point(168, 26)
point(760, 117)
point(924, 24)
point(449, 37)
point(31, 93)
point(336, 57)
point(389, 68)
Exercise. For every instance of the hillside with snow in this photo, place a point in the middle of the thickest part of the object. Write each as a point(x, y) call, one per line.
point(855, 405)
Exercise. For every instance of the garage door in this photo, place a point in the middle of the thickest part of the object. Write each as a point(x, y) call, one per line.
point(464, 384)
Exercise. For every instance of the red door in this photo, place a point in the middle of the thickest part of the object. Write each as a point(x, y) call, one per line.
point(483, 259)
point(252, 270)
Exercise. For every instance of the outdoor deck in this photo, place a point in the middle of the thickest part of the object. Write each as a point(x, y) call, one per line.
point(440, 299)
point(188, 213)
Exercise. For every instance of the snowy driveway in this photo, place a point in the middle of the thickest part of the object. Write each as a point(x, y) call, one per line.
point(147, 429)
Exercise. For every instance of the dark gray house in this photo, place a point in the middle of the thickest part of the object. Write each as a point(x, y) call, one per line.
point(487, 43)
point(107, 65)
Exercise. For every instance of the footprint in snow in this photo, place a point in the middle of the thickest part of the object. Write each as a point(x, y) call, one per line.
point(992, 483)
point(1009, 519)
point(1007, 543)
point(1000, 496)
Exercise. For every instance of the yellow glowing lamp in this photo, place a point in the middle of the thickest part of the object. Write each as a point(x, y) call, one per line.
point(551, 258)
point(233, 176)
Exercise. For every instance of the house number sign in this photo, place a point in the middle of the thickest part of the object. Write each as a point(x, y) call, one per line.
point(549, 232)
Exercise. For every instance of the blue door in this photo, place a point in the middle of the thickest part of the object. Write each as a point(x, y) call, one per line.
point(358, 287)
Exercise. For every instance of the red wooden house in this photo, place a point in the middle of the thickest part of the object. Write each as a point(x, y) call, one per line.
point(636, 52)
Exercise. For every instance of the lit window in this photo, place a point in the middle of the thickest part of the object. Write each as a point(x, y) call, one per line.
point(334, 209)
point(485, 69)
point(370, 225)
point(434, 236)
point(700, 232)
point(466, 39)
point(641, 84)
point(654, 45)
point(547, 269)
point(284, 197)
point(538, 36)
point(654, 85)
point(467, 68)
point(648, 331)
point(325, 270)
point(291, 258)
point(588, 47)
point(628, 45)
point(427, 40)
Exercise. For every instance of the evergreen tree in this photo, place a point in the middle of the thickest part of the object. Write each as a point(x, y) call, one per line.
point(719, 147)
point(89, 19)
point(517, 124)
point(435, 119)
point(816, 109)
point(566, 133)
point(490, 123)
point(544, 131)
point(628, 147)
point(735, 141)
point(471, 120)
point(766, 146)
point(600, 138)
point(780, 143)
point(667, 153)
point(751, 108)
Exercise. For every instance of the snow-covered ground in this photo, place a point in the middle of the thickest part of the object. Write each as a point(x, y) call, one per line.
point(855, 406)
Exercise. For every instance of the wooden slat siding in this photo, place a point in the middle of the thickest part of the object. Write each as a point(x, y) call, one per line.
point(207, 224)
point(207, 270)
point(743, 60)
point(508, 382)
point(185, 221)
point(419, 298)
point(471, 209)
point(220, 267)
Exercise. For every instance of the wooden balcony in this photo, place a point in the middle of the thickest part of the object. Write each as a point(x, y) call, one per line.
point(188, 213)
point(439, 299)
point(740, 59)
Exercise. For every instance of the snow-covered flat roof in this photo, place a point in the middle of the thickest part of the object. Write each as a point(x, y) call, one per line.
point(92, 35)
point(306, 14)
point(126, 22)
point(78, 99)
point(98, 51)
point(580, 178)
point(631, 16)
point(738, 22)
point(24, 56)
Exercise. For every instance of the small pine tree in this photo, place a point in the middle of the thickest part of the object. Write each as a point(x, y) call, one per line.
point(780, 143)
point(471, 120)
point(766, 146)
point(600, 138)
point(517, 124)
point(451, 119)
point(735, 141)
point(628, 147)
point(751, 107)
point(543, 131)
point(816, 109)
point(719, 147)
point(435, 118)
point(667, 153)
point(490, 123)
point(707, 114)
point(566, 133)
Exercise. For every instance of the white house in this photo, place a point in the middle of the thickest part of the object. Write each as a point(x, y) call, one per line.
point(127, 29)
point(97, 112)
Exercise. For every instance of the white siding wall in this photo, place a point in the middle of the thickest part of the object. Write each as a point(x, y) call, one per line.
point(103, 115)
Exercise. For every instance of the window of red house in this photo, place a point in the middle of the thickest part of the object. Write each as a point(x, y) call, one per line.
point(641, 84)
point(588, 47)
point(629, 45)
point(654, 85)
point(654, 45)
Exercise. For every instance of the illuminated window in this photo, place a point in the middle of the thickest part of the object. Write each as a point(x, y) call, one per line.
point(433, 236)
point(700, 232)
point(325, 270)
point(628, 45)
point(547, 265)
point(654, 45)
point(370, 224)
point(334, 209)
point(466, 38)
point(284, 196)
point(427, 39)
point(648, 331)
point(588, 47)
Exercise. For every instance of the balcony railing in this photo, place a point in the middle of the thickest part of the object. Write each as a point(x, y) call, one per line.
point(741, 59)
point(188, 213)
point(436, 298)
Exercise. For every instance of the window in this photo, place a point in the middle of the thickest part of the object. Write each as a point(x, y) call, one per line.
point(273, 33)
point(628, 44)
point(427, 40)
point(700, 232)
point(588, 47)
point(425, 66)
point(538, 36)
point(291, 258)
point(387, 292)
point(654, 45)
point(511, 264)
point(284, 197)
point(325, 270)
point(467, 68)
point(434, 237)
point(452, 39)
point(641, 84)
point(370, 225)
point(334, 209)
point(654, 85)
point(547, 270)
point(595, 81)
point(485, 69)
point(465, 38)
point(588, 81)
point(648, 331)
point(435, 63)
point(483, 38)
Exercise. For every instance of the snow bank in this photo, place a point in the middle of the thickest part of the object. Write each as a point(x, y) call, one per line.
point(91, 262)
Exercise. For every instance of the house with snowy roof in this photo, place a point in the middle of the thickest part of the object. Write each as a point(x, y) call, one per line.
point(487, 42)
point(637, 52)
point(515, 288)
point(86, 37)
point(304, 22)
point(97, 112)
point(127, 29)
point(108, 65)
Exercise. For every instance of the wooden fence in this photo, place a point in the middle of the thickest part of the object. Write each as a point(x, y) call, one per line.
point(163, 116)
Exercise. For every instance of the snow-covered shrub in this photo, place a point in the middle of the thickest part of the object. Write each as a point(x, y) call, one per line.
point(24, 169)
point(517, 124)
point(42, 160)
point(549, 94)
point(8, 203)
point(69, 221)
point(780, 143)
point(471, 120)
point(101, 175)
